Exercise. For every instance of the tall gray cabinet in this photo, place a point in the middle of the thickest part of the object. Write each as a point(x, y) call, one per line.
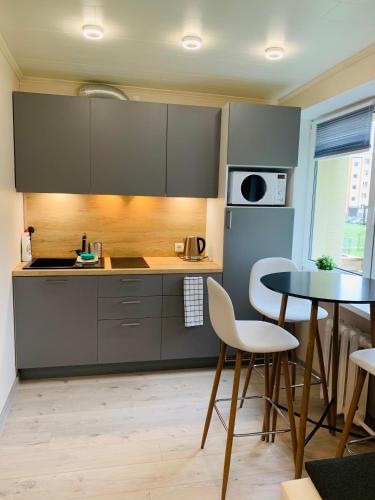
point(251, 234)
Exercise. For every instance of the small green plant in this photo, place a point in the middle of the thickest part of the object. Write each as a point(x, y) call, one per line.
point(326, 263)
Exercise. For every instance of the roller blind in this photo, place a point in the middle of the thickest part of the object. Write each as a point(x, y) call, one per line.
point(345, 134)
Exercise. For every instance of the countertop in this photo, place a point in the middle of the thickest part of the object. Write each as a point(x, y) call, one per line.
point(158, 265)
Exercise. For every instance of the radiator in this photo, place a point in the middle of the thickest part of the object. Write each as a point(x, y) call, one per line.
point(350, 340)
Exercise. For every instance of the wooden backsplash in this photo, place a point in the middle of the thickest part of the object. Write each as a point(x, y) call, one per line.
point(127, 225)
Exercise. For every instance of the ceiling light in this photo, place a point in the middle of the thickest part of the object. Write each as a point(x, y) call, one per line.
point(191, 42)
point(274, 53)
point(92, 31)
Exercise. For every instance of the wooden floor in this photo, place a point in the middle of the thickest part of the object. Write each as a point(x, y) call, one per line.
point(137, 437)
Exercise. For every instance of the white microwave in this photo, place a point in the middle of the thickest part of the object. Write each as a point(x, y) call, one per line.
point(256, 188)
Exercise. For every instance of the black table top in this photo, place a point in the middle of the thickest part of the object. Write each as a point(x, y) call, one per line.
point(325, 286)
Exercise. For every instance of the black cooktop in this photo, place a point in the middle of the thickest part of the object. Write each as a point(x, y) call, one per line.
point(128, 262)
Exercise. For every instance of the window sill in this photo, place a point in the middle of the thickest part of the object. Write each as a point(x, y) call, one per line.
point(362, 310)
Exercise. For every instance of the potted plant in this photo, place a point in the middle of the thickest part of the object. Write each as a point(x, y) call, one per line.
point(325, 263)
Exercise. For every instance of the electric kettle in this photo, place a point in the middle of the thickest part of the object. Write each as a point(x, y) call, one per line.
point(194, 248)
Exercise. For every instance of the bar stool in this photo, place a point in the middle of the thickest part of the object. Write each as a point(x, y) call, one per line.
point(252, 337)
point(268, 303)
point(365, 361)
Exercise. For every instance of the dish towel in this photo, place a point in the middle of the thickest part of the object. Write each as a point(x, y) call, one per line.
point(193, 300)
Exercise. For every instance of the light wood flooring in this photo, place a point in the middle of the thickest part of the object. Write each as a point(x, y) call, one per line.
point(137, 437)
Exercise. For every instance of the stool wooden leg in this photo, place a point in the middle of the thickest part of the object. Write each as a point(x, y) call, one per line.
point(361, 377)
point(289, 397)
point(247, 379)
point(232, 421)
point(323, 374)
point(266, 418)
point(275, 397)
point(219, 368)
point(293, 358)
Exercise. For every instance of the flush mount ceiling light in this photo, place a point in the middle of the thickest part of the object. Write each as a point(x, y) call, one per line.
point(92, 31)
point(191, 42)
point(274, 53)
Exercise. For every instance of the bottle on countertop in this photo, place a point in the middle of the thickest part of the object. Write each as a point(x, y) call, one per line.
point(26, 246)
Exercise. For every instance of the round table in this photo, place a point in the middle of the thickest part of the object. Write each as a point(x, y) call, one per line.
point(324, 286)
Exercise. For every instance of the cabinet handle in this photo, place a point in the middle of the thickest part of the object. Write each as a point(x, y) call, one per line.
point(131, 302)
point(129, 280)
point(55, 282)
point(229, 219)
point(130, 324)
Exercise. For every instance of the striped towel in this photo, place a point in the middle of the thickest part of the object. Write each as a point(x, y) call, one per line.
point(193, 300)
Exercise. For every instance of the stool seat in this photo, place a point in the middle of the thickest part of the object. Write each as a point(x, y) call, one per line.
point(297, 310)
point(263, 337)
point(365, 359)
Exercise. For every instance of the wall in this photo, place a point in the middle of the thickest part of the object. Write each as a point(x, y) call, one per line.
point(127, 225)
point(10, 229)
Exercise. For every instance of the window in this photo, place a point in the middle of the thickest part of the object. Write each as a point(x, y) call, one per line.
point(340, 209)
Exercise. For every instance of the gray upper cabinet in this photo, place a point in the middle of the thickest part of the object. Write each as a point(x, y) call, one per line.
point(128, 147)
point(264, 135)
point(52, 143)
point(193, 143)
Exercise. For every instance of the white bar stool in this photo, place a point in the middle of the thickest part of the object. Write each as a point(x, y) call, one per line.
point(268, 304)
point(252, 337)
point(365, 361)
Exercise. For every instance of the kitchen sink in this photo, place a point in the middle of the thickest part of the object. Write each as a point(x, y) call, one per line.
point(55, 263)
point(128, 263)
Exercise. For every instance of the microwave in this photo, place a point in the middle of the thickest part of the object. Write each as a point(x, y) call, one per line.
point(256, 188)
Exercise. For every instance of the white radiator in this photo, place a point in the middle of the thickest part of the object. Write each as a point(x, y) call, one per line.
point(350, 340)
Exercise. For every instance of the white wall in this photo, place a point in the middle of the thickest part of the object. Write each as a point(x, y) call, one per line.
point(11, 222)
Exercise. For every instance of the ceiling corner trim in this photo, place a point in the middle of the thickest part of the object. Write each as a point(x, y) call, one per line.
point(328, 74)
point(8, 56)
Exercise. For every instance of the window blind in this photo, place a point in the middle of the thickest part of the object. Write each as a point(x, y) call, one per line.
point(345, 134)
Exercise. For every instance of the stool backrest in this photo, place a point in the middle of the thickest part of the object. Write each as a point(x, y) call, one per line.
point(222, 313)
point(260, 295)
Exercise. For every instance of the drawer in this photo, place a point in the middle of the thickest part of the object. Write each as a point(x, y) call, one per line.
point(130, 285)
point(129, 340)
point(173, 284)
point(179, 342)
point(173, 306)
point(130, 307)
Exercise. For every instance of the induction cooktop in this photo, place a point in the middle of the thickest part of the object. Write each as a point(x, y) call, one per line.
point(128, 262)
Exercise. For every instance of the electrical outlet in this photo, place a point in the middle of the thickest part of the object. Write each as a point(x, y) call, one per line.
point(178, 247)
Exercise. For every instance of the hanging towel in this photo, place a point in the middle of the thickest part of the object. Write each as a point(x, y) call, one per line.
point(193, 300)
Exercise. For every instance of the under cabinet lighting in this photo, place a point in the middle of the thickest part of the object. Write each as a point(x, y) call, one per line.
point(274, 53)
point(191, 42)
point(92, 31)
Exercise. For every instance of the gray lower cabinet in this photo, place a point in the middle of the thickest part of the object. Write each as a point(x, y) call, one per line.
point(55, 321)
point(130, 285)
point(173, 284)
point(129, 307)
point(179, 342)
point(193, 143)
point(51, 143)
point(263, 135)
point(129, 340)
point(128, 147)
point(251, 234)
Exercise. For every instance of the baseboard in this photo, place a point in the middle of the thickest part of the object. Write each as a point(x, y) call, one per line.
point(5, 411)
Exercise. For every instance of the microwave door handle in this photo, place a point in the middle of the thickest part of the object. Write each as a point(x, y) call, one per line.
point(229, 219)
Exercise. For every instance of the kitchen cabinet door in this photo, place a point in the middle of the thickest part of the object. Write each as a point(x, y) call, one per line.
point(193, 144)
point(128, 147)
point(55, 321)
point(263, 135)
point(51, 143)
point(251, 234)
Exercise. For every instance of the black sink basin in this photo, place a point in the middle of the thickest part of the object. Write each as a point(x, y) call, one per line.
point(128, 263)
point(51, 264)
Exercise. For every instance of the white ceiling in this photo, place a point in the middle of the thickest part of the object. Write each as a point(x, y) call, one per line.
point(142, 41)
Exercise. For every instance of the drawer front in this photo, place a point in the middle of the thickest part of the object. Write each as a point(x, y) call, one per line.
point(130, 307)
point(173, 284)
point(129, 340)
point(135, 285)
point(173, 306)
point(179, 342)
